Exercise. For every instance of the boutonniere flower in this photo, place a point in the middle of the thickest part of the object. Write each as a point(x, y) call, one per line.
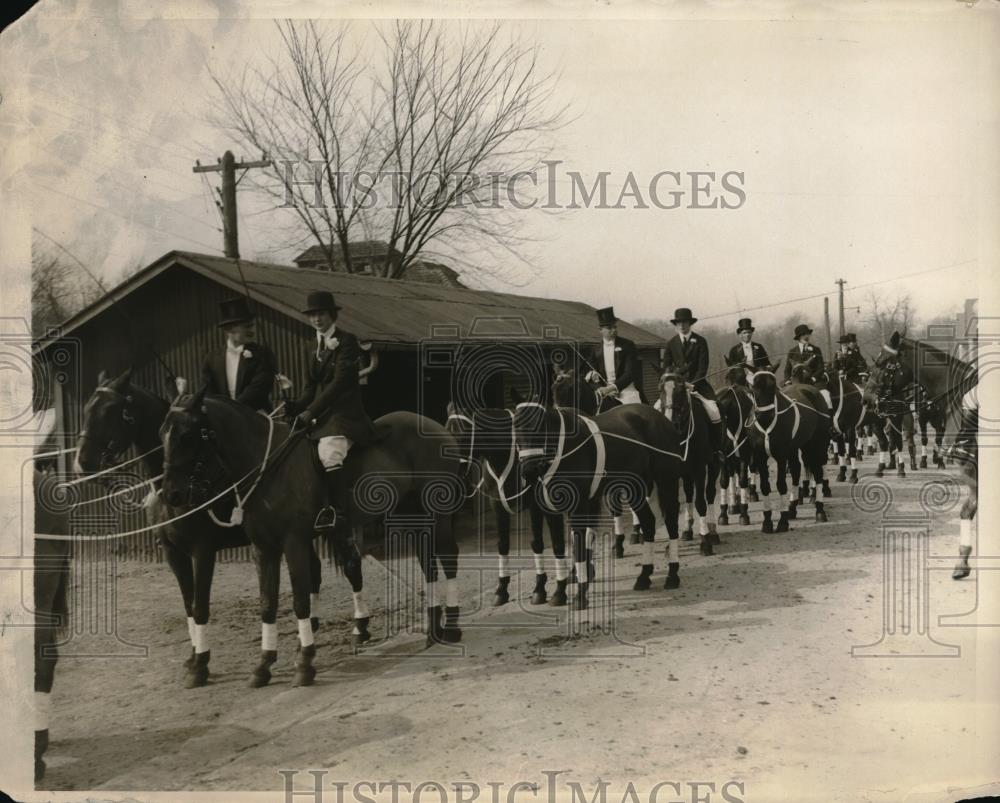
point(247, 354)
point(618, 348)
point(332, 343)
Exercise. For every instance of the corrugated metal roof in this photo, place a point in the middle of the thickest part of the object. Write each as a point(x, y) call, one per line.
point(387, 311)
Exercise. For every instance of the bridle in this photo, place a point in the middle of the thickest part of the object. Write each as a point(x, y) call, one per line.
point(677, 379)
point(114, 449)
point(773, 406)
point(199, 482)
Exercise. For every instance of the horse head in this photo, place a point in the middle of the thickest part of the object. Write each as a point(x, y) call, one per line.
point(536, 433)
point(674, 398)
point(109, 424)
point(801, 374)
point(764, 388)
point(189, 446)
point(571, 389)
point(892, 372)
point(463, 427)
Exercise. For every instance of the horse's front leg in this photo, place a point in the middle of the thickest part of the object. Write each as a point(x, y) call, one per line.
point(362, 614)
point(816, 467)
point(968, 514)
point(315, 581)
point(726, 481)
point(701, 508)
point(557, 535)
point(503, 520)
point(578, 530)
point(203, 560)
point(538, 594)
point(183, 569)
point(268, 564)
point(883, 448)
point(798, 493)
point(764, 477)
point(922, 422)
point(744, 492)
point(844, 443)
point(687, 480)
point(939, 446)
point(446, 552)
point(784, 514)
point(647, 522)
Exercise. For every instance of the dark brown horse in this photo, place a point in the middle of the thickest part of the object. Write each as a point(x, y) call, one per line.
point(736, 406)
point(487, 437)
point(211, 444)
point(623, 454)
point(699, 467)
point(119, 416)
point(787, 422)
point(947, 381)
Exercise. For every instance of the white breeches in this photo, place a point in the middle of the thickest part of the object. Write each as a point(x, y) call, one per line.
point(970, 401)
point(332, 450)
point(629, 395)
point(711, 407)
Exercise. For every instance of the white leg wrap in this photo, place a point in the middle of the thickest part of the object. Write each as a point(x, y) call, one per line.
point(360, 606)
point(965, 530)
point(591, 537)
point(689, 509)
point(647, 553)
point(923, 450)
point(562, 568)
point(540, 564)
point(504, 566)
point(883, 457)
point(451, 592)
point(899, 455)
point(201, 638)
point(43, 710)
point(783, 503)
point(268, 637)
point(581, 571)
point(430, 592)
point(854, 462)
point(620, 523)
point(843, 460)
point(792, 495)
point(745, 496)
point(673, 551)
point(191, 628)
point(661, 532)
point(702, 525)
point(765, 502)
point(635, 518)
point(305, 633)
point(314, 604)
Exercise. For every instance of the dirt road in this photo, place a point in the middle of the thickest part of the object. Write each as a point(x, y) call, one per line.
point(743, 676)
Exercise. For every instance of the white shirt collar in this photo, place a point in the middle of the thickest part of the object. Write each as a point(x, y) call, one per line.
point(322, 336)
point(233, 349)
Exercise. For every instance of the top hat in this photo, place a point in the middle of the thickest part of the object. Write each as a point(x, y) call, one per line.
point(320, 300)
point(852, 337)
point(606, 317)
point(743, 325)
point(234, 310)
point(683, 314)
point(845, 338)
point(802, 329)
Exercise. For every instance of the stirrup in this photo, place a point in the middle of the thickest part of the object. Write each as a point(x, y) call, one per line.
point(326, 519)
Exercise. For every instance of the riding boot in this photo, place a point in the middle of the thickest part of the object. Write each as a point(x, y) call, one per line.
point(327, 516)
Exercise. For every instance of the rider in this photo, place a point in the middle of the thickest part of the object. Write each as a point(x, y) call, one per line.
point(848, 360)
point(331, 405)
point(807, 355)
point(748, 352)
point(244, 371)
point(687, 355)
point(616, 364)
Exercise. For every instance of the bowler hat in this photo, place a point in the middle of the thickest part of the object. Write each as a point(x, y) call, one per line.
point(744, 325)
point(683, 314)
point(319, 300)
point(802, 329)
point(606, 317)
point(234, 310)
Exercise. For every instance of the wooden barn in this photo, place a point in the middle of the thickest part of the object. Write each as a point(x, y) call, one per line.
point(430, 343)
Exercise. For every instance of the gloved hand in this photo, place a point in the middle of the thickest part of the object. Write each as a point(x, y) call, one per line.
point(304, 419)
point(607, 390)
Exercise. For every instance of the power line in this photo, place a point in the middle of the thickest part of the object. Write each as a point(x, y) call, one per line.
point(849, 290)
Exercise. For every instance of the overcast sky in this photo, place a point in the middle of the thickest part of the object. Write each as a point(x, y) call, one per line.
point(857, 141)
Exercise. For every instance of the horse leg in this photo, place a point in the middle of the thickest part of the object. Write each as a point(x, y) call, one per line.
point(798, 493)
point(315, 580)
point(725, 483)
point(636, 535)
point(297, 554)
point(49, 602)
point(362, 614)
point(853, 455)
point(269, 579)
point(620, 522)
point(711, 481)
point(203, 559)
point(923, 442)
point(816, 466)
point(666, 492)
point(701, 507)
point(579, 536)
point(764, 475)
point(557, 534)
point(754, 480)
point(446, 549)
point(538, 594)
point(502, 594)
point(883, 451)
point(968, 513)
point(744, 493)
point(647, 521)
point(180, 564)
point(939, 445)
point(432, 602)
point(688, 480)
point(781, 481)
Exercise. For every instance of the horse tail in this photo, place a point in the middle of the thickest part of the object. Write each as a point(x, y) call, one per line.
point(342, 546)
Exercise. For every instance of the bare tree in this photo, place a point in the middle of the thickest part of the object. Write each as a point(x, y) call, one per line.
point(57, 292)
point(417, 147)
point(882, 315)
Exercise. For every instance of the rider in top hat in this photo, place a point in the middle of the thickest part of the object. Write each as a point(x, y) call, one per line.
point(748, 352)
point(687, 355)
point(848, 360)
point(244, 370)
point(615, 365)
point(330, 404)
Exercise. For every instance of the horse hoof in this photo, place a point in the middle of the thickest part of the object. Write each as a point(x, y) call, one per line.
point(189, 661)
point(636, 536)
point(962, 570)
point(539, 597)
point(767, 527)
point(580, 601)
point(754, 496)
point(793, 513)
point(880, 471)
point(687, 535)
point(501, 598)
point(357, 639)
point(821, 516)
point(304, 675)
point(196, 677)
point(901, 472)
point(619, 552)
point(745, 519)
point(705, 547)
point(591, 572)
point(723, 519)
point(713, 538)
point(39, 770)
point(672, 582)
point(782, 526)
point(827, 493)
point(558, 598)
point(923, 462)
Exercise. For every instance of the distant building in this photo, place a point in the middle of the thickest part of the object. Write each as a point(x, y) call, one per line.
point(367, 255)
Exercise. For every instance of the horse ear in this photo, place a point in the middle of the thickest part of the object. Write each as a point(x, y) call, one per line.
point(102, 378)
point(515, 396)
point(726, 358)
point(450, 408)
point(121, 383)
point(776, 366)
point(198, 398)
point(894, 340)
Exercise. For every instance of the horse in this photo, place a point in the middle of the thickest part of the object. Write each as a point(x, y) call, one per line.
point(905, 363)
point(700, 469)
point(120, 415)
point(51, 580)
point(786, 422)
point(487, 436)
point(736, 406)
point(212, 443)
point(935, 414)
point(575, 460)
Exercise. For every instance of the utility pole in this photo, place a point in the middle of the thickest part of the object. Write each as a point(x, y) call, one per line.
point(228, 166)
point(841, 283)
point(826, 317)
